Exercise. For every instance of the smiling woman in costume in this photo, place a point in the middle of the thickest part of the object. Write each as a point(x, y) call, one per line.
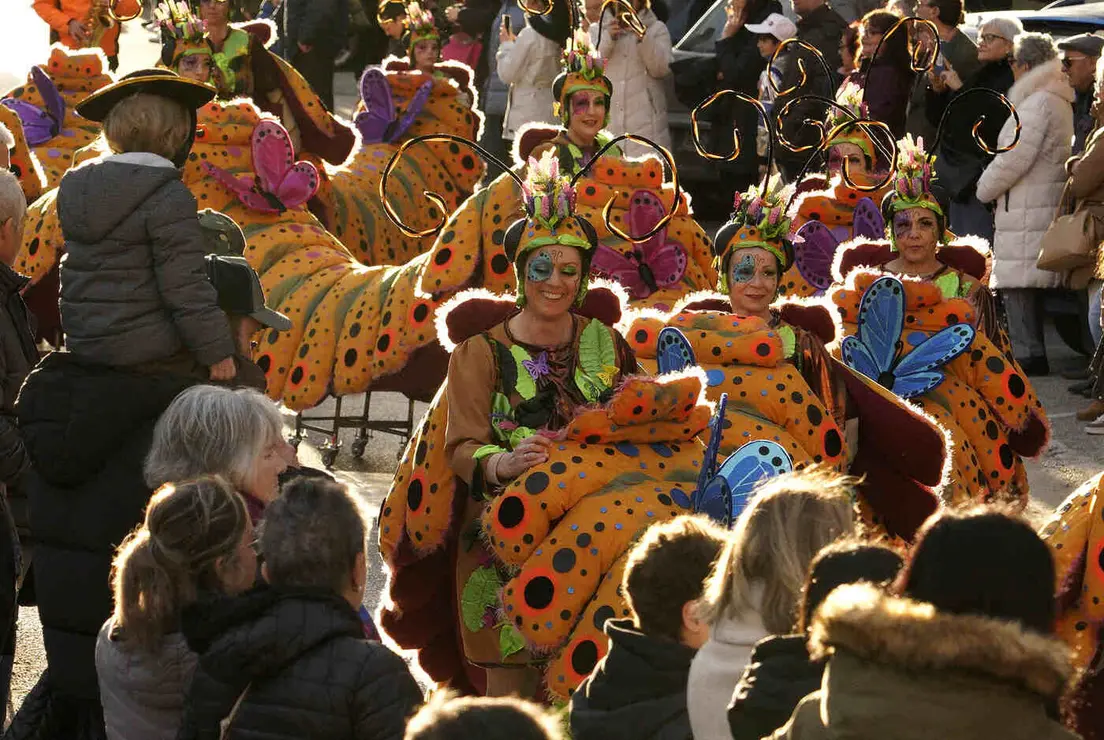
point(512, 387)
point(581, 96)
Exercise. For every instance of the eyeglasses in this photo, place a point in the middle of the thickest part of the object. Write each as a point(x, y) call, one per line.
point(988, 38)
point(1068, 62)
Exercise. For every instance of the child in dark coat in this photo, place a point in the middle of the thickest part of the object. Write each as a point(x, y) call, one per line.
point(134, 288)
point(638, 691)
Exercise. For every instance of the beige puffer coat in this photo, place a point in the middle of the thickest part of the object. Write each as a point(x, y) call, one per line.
point(637, 69)
point(529, 65)
point(1026, 182)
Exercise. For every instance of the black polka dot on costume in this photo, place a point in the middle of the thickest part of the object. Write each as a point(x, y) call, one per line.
point(584, 657)
point(558, 468)
point(762, 349)
point(1006, 456)
point(414, 495)
point(564, 560)
point(602, 614)
point(583, 540)
point(511, 511)
point(536, 482)
point(995, 365)
point(539, 592)
point(814, 414)
point(833, 444)
point(1016, 386)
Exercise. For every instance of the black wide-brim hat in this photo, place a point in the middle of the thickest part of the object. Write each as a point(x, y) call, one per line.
point(163, 82)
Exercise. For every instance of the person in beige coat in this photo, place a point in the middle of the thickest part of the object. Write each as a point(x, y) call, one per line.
point(529, 63)
point(1025, 184)
point(637, 68)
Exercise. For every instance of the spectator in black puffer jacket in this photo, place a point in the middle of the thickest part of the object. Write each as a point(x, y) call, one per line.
point(449, 717)
point(301, 668)
point(315, 31)
point(87, 429)
point(638, 691)
point(780, 673)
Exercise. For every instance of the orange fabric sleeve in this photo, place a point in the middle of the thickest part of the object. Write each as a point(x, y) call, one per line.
point(471, 381)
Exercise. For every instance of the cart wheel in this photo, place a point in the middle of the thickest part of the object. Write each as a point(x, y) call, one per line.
point(295, 442)
point(359, 446)
point(329, 456)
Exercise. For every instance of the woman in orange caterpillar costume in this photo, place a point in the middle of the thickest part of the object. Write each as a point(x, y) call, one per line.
point(977, 391)
point(770, 360)
point(535, 467)
point(423, 49)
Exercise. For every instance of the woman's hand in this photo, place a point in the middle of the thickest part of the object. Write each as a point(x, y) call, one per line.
point(78, 32)
point(528, 453)
point(452, 12)
point(504, 33)
point(951, 79)
point(937, 83)
point(224, 369)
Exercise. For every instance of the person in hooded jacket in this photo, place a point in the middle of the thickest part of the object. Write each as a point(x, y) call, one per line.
point(780, 673)
point(87, 430)
point(134, 292)
point(638, 691)
point(963, 647)
point(197, 536)
point(295, 663)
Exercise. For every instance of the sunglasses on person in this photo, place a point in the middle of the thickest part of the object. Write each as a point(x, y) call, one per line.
point(1068, 62)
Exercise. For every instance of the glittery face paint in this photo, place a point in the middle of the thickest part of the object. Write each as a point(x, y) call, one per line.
point(753, 282)
point(915, 221)
point(552, 278)
point(539, 267)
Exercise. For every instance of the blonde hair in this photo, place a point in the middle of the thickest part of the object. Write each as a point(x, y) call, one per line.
point(160, 566)
point(767, 556)
point(147, 123)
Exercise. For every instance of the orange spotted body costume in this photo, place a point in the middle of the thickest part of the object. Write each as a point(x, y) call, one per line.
point(353, 194)
point(1075, 535)
point(534, 571)
point(75, 74)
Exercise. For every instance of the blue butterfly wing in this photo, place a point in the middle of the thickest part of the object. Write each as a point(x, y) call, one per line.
point(881, 320)
point(716, 432)
point(745, 468)
point(916, 384)
point(858, 358)
point(714, 500)
point(673, 351)
point(937, 350)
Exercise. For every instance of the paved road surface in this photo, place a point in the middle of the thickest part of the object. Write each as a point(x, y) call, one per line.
point(1072, 457)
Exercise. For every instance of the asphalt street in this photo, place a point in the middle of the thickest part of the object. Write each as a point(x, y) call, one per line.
point(1072, 457)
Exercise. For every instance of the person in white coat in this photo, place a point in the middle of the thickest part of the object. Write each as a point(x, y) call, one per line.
point(529, 63)
point(1025, 184)
point(637, 67)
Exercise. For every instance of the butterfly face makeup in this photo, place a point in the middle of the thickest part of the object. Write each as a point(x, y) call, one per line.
point(552, 277)
point(587, 115)
point(916, 235)
point(195, 67)
point(752, 282)
point(426, 53)
point(851, 156)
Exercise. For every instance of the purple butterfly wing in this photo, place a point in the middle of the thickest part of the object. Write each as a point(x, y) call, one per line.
point(379, 109)
point(868, 220)
point(814, 256)
point(412, 110)
point(38, 127)
point(51, 96)
point(612, 264)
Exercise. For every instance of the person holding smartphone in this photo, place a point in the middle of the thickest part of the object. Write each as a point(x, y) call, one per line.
point(528, 61)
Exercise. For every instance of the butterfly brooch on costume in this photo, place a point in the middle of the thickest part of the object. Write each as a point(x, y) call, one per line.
point(39, 126)
point(656, 263)
point(876, 349)
point(816, 251)
point(724, 491)
point(278, 181)
point(378, 122)
point(539, 367)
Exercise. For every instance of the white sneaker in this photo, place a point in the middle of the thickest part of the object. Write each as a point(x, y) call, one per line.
point(1096, 426)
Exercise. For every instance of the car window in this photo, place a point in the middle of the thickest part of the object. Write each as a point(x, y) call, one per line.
point(704, 34)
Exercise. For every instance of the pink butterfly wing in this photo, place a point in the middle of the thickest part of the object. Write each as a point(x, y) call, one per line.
point(293, 183)
point(242, 187)
point(814, 255)
point(666, 258)
point(612, 264)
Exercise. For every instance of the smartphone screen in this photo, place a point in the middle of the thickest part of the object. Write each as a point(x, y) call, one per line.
point(940, 64)
point(506, 23)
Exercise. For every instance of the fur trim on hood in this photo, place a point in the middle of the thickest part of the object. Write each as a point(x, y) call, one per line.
point(1047, 76)
point(914, 636)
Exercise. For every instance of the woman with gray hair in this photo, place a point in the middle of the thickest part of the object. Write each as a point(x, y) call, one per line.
point(235, 433)
point(1026, 185)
